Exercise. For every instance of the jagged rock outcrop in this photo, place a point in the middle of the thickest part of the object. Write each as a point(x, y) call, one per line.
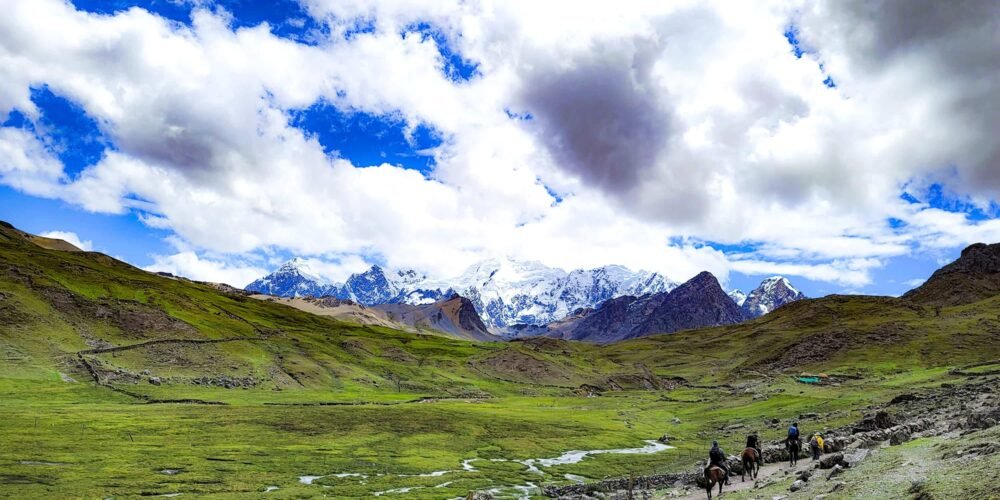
point(972, 277)
point(699, 302)
point(455, 316)
point(772, 293)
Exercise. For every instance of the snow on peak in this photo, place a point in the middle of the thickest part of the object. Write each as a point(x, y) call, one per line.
point(738, 296)
point(772, 293)
point(504, 291)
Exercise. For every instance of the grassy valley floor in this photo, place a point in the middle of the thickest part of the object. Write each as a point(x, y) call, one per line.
point(65, 439)
point(115, 382)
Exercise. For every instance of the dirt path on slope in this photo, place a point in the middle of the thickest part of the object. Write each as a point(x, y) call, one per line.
point(767, 471)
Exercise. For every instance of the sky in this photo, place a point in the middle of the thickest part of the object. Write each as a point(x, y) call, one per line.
point(848, 145)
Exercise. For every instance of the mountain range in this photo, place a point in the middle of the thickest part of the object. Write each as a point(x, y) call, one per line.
point(519, 299)
point(699, 302)
point(503, 291)
point(453, 317)
point(84, 334)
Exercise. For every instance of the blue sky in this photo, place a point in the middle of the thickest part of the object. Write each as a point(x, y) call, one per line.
point(198, 140)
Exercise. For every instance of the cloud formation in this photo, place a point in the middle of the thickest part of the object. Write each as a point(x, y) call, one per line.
point(640, 134)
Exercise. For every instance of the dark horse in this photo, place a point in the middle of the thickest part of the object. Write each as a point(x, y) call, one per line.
point(714, 476)
point(794, 446)
point(749, 458)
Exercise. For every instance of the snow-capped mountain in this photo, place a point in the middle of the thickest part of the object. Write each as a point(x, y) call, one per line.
point(738, 296)
point(772, 293)
point(504, 291)
point(508, 292)
point(293, 279)
point(697, 303)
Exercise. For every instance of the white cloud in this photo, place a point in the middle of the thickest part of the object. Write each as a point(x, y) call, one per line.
point(853, 272)
point(659, 124)
point(70, 238)
point(191, 265)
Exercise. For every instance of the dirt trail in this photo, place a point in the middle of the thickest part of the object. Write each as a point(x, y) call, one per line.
point(735, 484)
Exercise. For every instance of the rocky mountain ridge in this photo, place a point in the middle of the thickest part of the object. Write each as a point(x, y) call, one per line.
point(503, 291)
point(699, 302)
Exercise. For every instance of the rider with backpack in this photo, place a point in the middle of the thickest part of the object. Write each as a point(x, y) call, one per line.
point(793, 433)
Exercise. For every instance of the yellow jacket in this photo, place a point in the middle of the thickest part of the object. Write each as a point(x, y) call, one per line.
point(819, 441)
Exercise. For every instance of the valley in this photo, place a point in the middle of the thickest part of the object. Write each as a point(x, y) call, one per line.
point(119, 382)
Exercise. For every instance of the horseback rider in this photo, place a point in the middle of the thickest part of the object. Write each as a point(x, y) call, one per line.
point(754, 442)
point(717, 458)
point(793, 433)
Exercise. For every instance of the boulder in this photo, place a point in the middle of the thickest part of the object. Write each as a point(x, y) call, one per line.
point(831, 460)
point(155, 380)
point(797, 485)
point(855, 457)
point(980, 421)
point(899, 437)
point(835, 471)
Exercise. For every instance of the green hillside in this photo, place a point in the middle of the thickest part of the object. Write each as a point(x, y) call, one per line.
point(116, 381)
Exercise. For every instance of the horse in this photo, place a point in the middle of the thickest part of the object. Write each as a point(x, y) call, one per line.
point(749, 458)
point(794, 447)
point(714, 476)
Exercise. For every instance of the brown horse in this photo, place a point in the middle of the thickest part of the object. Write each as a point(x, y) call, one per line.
point(794, 446)
point(714, 476)
point(749, 458)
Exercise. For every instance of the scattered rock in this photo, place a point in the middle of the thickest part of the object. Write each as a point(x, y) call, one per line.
point(855, 457)
point(899, 437)
point(676, 420)
point(803, 475)
point(831, 460)
point(980, 421)
point(155, 380)
point(903, 398)
point(835, 471)
point(797, 485)
point(918, 488)
point(880, 420)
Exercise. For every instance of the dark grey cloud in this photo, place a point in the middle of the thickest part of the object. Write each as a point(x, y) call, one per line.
point(955, 48)
point(600, 114)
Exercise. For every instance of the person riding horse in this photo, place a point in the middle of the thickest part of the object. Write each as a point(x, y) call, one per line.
point(793, 433)
point(717, 458)
point(754, 442)
point(792, 443)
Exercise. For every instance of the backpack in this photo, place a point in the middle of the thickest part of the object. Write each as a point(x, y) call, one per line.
point(793, 432)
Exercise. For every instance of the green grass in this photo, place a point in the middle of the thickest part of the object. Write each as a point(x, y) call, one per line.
point(330, 397)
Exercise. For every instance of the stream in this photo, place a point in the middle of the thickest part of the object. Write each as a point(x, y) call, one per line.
point(532, 465)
